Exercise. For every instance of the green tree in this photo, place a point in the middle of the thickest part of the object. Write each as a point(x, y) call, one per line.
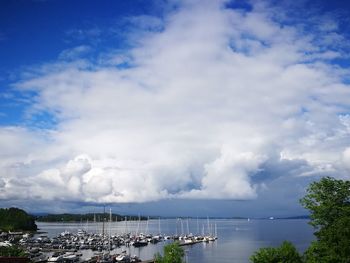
point(286, 253)
point(12, 251)
point(13, 219)
point(173, 253)
point(329, 203)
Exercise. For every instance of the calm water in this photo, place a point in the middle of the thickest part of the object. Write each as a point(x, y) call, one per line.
point(237, 239)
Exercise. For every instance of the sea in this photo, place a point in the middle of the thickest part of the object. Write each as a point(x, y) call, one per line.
point(237, 239)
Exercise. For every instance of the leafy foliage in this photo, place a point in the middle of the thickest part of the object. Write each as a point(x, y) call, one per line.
point(13, 219)
point(173, 253)
point(12, 251)
point(286, 253)
point(329, 203)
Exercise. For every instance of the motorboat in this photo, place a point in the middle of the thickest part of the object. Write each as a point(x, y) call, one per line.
point(140, 243)
point(56, 257)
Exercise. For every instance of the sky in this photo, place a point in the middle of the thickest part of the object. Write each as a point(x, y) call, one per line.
point(172, 108)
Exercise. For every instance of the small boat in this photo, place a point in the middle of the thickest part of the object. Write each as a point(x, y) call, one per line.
point(199, 238)
point(56, 257)
point(140, 243)
point(6, 243)
point(154, 240)
point(122, 258)
point(65, 233)
point(71, 257)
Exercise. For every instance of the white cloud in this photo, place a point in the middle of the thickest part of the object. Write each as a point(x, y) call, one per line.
point(74, 53)
point(207, 103)
point(2, 183)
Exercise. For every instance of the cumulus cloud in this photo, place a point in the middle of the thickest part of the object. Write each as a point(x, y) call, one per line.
point(2, 183)
point(215, 103)
point(74, 53)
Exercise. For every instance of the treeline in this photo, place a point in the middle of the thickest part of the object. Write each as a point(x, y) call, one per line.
point(15, 219)
point(99, 217)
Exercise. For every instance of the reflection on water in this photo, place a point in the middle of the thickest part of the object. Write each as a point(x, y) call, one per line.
point(237, 239)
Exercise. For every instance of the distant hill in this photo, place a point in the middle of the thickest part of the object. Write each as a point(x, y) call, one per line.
point(99, 217)
point(15, 219)
point(296, 217)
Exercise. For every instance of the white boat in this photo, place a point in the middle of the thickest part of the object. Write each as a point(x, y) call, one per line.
point(65, 233)
point(26, 235)
point(6, 243)
point(140, 243)
point(71, 257)
point(122, 258)
point(56, 258)
point(188, 240)
point(211, 238)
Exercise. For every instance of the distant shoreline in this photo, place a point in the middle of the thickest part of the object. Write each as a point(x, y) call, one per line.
point(100, 217)
point(92, 217)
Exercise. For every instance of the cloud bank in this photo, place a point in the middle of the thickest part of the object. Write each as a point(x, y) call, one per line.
point(210, 102)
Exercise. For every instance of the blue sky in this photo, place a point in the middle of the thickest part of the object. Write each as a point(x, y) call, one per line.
point(36, 32)
point(221, 108)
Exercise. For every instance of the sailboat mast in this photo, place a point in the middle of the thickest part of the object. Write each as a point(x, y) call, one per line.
point(138, 225)
point(208, 225)
point(177, 221)
point(96, 230)
point(188, 228)
point(159, 225)
point(146, 230)
point(103, 220)
point(109, 236)
point(182, 227)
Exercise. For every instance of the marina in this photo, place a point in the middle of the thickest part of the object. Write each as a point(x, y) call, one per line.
point(237, 238)
point(104, 242)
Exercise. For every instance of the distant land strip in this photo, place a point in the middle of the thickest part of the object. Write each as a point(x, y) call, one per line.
point(100, 217)
point(92, 217)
